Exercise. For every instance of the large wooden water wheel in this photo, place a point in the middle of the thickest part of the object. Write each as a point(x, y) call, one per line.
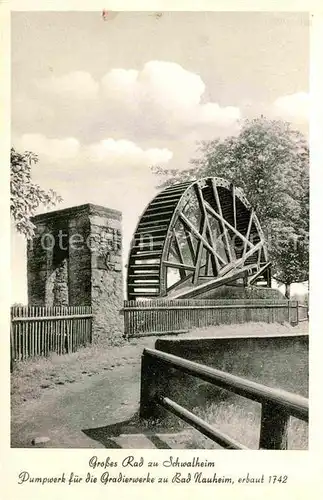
point(195, 236)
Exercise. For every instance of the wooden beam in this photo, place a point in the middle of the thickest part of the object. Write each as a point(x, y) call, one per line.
point(214, 259)
point(189, 243)
point(273, 427)
point(177, 265)
point(269, 281)
point(199, 195)
point(179, 282)
point(210, 209)
point(234, 206)
point(224, 229)
point(182, 272)
point(259, 273)
point(248, 233)
point(207, 259)
point(210, 285)
point(259, 257)
point(199, 236)
point(238, 264)
point(199, 251)
point(227, 268)
point(252, 251)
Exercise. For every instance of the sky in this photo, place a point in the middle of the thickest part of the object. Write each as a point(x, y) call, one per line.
point(102, 100)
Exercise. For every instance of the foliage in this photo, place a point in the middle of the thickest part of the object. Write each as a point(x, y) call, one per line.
point(269, 162)
point(26, 196)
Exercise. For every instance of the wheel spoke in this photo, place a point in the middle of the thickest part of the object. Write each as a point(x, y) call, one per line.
point(190, 245)
point(248, 233)
point(199, 252)
point(179, 253)
point(200, 236)
point(227, 224)
point(214, 258)
point(222, 220)
point(234, 206)
point(177, 265)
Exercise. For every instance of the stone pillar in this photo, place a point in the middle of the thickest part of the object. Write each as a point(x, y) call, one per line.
point(106, 272)
point(75, 259)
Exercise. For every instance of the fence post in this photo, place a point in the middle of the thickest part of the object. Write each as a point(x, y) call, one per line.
point(274, 427)
point(297, 313)
point(12, 348)
point(293, 312)
point(153, 381)
point(123, 312)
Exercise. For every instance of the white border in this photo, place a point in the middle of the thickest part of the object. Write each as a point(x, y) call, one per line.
point(304, 467)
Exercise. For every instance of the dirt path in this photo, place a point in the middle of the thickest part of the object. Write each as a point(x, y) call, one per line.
point(68, 415)
point(100, 410)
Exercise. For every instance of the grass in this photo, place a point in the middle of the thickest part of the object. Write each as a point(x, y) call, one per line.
point(31, 377)
point(242, 422)
point(249, 329)
point(238, 418)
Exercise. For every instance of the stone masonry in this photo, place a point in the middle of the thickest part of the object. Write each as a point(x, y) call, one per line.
point(75, 259)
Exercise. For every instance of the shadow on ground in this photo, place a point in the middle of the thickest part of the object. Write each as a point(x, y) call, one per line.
point(108, 435)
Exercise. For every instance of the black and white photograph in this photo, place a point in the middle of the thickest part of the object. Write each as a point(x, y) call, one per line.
point(159, 201)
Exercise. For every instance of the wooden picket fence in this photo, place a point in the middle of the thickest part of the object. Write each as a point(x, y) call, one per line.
point(39, 331)
point(165, 317)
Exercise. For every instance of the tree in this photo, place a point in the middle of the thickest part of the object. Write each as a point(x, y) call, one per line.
point(269, 162)
point(26, 196)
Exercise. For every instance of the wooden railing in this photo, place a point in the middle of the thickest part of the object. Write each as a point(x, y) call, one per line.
point(165, 317)
point(39, 331)
point(277, 406)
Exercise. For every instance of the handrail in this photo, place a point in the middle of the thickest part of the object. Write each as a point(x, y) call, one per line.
point(199, 424)
point(295, 405)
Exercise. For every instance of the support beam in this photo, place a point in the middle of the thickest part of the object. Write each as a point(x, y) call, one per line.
point(224, 229)
point(212, 284)
point(269, 280)
point(182, 272)
point(176, 265)
point(248, 233)
point(180, 282)
point(207, 259)
point(234, 206)
point(199, 236)
point(259, 257)
point(227, 224)
point(189, 243)
point(199, 251)
point(214, 259)
point(250, 252)
point(259, 273)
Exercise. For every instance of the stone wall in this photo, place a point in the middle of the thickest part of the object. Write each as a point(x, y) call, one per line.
point(38, 263)
point(79, 259)
point(106, 273)
point(75, 260)
point(258, 358)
